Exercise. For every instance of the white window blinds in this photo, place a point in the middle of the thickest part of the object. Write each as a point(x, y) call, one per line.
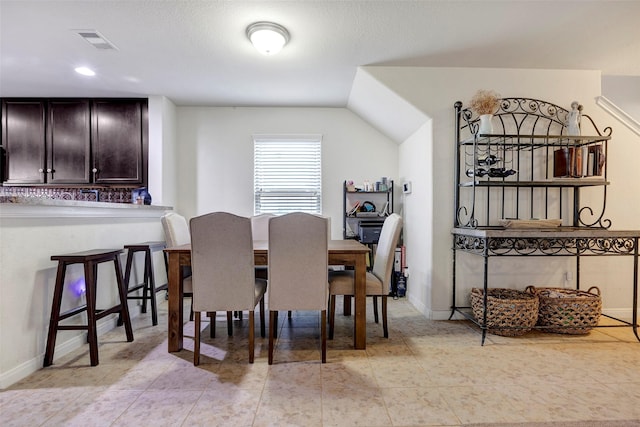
point(287, 174)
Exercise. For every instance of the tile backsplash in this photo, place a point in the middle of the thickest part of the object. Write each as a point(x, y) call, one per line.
point(108, 195)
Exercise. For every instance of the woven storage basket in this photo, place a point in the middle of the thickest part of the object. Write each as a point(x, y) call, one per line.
point(568, 311)
point(509, 312)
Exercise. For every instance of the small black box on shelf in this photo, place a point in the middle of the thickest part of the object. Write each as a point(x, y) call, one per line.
point(369, 232)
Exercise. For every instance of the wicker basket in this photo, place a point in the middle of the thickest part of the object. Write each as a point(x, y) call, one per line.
point(509, 312)
point(568, 311)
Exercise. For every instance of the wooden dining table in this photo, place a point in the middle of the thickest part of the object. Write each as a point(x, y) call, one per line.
point(341, 252)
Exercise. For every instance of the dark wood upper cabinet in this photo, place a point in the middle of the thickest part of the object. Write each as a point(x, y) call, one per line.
point(75, 141)
point(69, 142)
point(119, 135)
point(23, 138)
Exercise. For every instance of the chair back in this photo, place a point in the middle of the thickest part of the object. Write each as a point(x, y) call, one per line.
point(176, 229)
point(222, 262)
point(298, 262)
point(260, 226)
point(385, 251)
point(328, 218)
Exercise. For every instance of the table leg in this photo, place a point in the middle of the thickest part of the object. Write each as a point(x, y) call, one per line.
point(175, 303)
point(360, 321)
point(346, 310)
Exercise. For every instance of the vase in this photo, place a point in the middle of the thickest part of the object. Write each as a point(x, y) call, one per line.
point(141, 196)
point(485, 124)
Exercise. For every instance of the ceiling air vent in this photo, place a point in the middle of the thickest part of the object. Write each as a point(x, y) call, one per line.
point(96, 39)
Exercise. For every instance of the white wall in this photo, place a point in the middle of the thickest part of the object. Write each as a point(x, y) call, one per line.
point(623, 91)
point(162, 151)
point(393, 115)
point(215, 155)
point(434, 91)
point(416, 166)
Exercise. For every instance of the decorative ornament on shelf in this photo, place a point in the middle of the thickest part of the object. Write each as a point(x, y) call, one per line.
point(484, 103)
point(492, 172)
point(489, 160)
point(573, 119)
point(140, 196)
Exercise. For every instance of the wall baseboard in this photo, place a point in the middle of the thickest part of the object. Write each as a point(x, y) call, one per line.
point(21, 371)
point(30, 366)
point(620, 313)
point(419, 305)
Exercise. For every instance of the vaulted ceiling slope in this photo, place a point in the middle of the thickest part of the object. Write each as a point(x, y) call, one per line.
point(196, 52)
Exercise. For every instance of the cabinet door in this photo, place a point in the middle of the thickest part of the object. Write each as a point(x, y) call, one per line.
point(23, 137)
point(69, 142)
point(119, 131)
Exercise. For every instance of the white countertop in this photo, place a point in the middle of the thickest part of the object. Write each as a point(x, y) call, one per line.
point(42, 207)
point(558, 232)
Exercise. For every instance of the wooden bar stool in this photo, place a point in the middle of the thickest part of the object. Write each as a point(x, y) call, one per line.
point(148, 284)
point(90, 259)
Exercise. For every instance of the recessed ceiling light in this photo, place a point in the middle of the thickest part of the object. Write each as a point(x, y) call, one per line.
point(268, 37)
point(85, 71)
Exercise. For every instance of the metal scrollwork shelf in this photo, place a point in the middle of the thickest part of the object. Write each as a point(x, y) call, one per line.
point(529, 169)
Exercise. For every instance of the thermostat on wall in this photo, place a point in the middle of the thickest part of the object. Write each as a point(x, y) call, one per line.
point(406, 187)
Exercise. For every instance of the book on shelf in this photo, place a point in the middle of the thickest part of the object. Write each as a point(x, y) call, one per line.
point(354, 209)
point(571, 162)
point(579, 153)
point(562, 162)
point(595, 160)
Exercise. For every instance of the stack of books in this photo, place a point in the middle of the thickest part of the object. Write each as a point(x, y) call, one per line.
point(578, 162)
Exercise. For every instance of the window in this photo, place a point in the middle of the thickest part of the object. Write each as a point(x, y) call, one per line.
point(287, 174)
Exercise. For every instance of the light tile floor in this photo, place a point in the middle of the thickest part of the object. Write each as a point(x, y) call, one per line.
point(427, 373)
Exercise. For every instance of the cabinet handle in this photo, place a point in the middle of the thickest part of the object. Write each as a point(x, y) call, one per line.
point(94, 170)
point(40, 170)
point(49, 170)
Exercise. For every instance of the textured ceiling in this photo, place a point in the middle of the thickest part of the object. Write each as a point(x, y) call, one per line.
point(196, 52)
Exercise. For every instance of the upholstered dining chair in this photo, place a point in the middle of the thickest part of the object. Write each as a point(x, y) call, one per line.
point(176, 233)
point(223, 272)
point(260, 228)
point(298, 270)
point(342, 282)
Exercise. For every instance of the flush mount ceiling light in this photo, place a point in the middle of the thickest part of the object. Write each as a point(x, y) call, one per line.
point(268, 37)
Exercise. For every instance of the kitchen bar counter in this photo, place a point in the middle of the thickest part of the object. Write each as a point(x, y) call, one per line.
point(44, 207)
point(32, 229)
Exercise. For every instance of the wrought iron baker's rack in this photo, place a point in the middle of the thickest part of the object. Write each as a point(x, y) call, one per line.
point(510, 174)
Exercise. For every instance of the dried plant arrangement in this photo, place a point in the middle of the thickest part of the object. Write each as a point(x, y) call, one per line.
point(485, 102)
